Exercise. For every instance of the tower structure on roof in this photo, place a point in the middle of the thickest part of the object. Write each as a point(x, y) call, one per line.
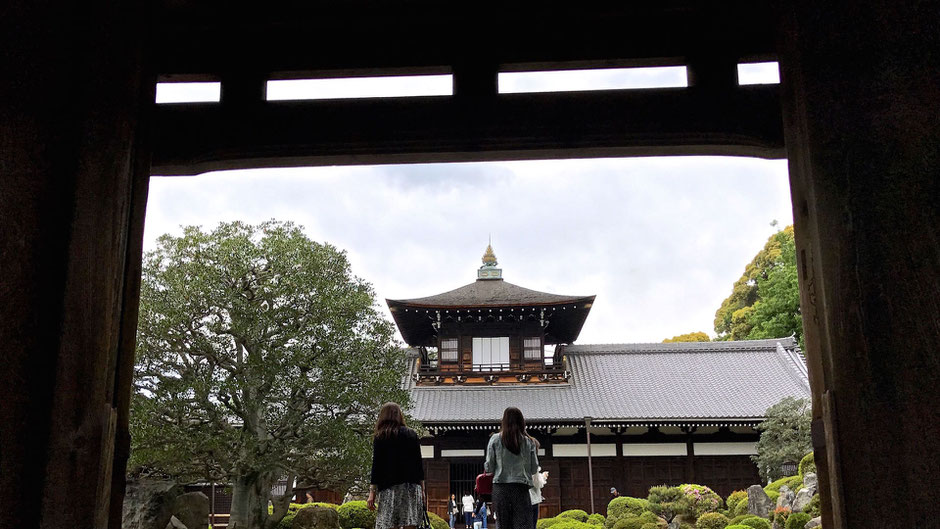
point(490, 331)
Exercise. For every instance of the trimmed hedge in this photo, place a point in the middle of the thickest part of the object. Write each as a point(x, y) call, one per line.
point(795, 483)
point(574, 514)
point(545, 523)
point(437, 522)
point(737, 519)
point(701, 499)
point(756, 522)
point(738, 527)
point(807, 465)
point(622, 506)
point(712, 520)
point(569, 523)
point(797, 520)
point(596, 519)
point(741, 508)
point(286, 522)
point(735, 498)
point(813, 508)
point(355, 515)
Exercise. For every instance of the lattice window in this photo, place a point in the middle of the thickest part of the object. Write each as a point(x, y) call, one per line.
point(532, 348)
point(450, 350)
point(491, 354)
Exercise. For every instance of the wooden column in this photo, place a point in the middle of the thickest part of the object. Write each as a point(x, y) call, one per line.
point(72, 194)
point(860, 96)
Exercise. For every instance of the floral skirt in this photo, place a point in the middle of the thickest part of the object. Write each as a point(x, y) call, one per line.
point(399, 505)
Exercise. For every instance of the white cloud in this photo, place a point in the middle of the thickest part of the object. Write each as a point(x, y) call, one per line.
point(659, 240)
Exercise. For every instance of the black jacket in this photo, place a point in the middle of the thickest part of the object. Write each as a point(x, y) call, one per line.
point(396, 459)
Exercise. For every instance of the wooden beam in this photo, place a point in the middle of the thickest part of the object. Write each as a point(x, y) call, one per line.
point(189, 139)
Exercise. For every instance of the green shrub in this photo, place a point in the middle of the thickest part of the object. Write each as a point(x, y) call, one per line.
point(570, 523)
point(574, 514)
point(738, 527)
point(813, 508)
point(630, 522)
point(737, 519)
point(545, 523)
point(797, 520)
point(741, 508)
point(795, 483)
point(596, 519)
point(650, 526)
point(668, 502)
point(437, 522)
point(700, 499)
point(711, 520)
point(622, 505)
point(773, 495)
point(756, 522)
point(355, 514)
point(735, 498)
point(286, 522)
point(807, 465)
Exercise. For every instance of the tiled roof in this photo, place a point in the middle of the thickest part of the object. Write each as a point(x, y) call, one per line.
point(489, 293)
point(719, 381)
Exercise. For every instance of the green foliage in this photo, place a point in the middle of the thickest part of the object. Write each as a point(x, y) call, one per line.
point(735, 498)
point(622, 505)
point(286, 522)
point(813, 508)
point(698, 336)
point(574, 514)
point(773, 495)
point(736, 526)
point(260, 356)
point(765, 301)
point(570, 523)
point(711, 520)
point(650, 517)
point(650, 526)
point(668, 502)
point(630, 521)
point(793, 483)
point(596, 519)
point(545, 523)
point(807, 465)
point(785, 436)
point(700, 499)
point(780, 516)
point(355, 514)
point(437, 522)
point(740, 509)
point(737, 519)
point(797, 520)
point(755, 522)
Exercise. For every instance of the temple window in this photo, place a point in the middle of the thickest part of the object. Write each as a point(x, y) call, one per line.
point(532, 348)
point(491, 354)
point(449, 350)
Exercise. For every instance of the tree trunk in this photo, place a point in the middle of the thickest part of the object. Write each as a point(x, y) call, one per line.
point(250, 494)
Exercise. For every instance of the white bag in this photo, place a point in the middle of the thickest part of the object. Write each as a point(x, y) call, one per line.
point(478, 524)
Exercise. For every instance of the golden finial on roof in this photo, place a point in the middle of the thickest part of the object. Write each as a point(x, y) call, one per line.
point(489, 258)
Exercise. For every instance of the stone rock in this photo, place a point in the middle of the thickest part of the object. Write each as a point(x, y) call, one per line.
point(815, 522)
point(148, 504)
point(316, 517)
point(674, 524)
point(810, 482)
point(802, 500)
point(192, 509)
point(175, 523)
point(785, 499)
point(758, 502)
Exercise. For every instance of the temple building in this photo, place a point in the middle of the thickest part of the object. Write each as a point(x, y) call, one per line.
point(628, 416)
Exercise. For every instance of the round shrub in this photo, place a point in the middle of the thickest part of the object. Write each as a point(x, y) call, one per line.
point(630, 522)
point(738, 527)
point(807, 465)
point(813, 508)
point(735, 498)
point(569, 523)
point(701, 499)
point(355, 514)
point(545, 523)
point(794, 483)
point(649, 517)
point(286, 522)
point(596, 519)
point(756, 522)
point(712, 520)
point(574, 514)
point(797, 520)
point(741, 508)
point(773, 495)
point(650, 526)
point(623, 505)
point(437, 522)
point(737, 519)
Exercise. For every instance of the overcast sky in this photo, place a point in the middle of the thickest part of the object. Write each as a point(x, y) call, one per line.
point(660, 241)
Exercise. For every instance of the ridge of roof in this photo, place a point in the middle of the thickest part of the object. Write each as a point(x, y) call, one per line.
point(489, 293)
point(681, 347)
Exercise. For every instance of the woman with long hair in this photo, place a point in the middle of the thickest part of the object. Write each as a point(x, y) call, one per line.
point(512, 458)
point(397, 481)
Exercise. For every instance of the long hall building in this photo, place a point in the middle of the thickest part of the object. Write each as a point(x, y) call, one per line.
point(642, 414)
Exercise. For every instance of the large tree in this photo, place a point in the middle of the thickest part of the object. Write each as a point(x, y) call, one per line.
point(697, 336)
point(765, 301)
point(260, 357)
point(785, 436)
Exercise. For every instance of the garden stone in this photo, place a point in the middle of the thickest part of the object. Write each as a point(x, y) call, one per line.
point(802, 500)
point(758, 502)
point(316, 517)
point(192, 509)
point(810, 482)
point(815, 522)
point(674, 524)
point(148, 504)
point(785, 499)
point(175, 523)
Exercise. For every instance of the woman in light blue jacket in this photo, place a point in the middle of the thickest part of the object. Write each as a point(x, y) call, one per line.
point(511, 458)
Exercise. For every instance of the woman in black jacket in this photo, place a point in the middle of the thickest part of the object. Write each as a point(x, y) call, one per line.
point(397, 482)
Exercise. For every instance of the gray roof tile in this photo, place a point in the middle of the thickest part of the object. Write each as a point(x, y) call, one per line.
point(637, 382)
